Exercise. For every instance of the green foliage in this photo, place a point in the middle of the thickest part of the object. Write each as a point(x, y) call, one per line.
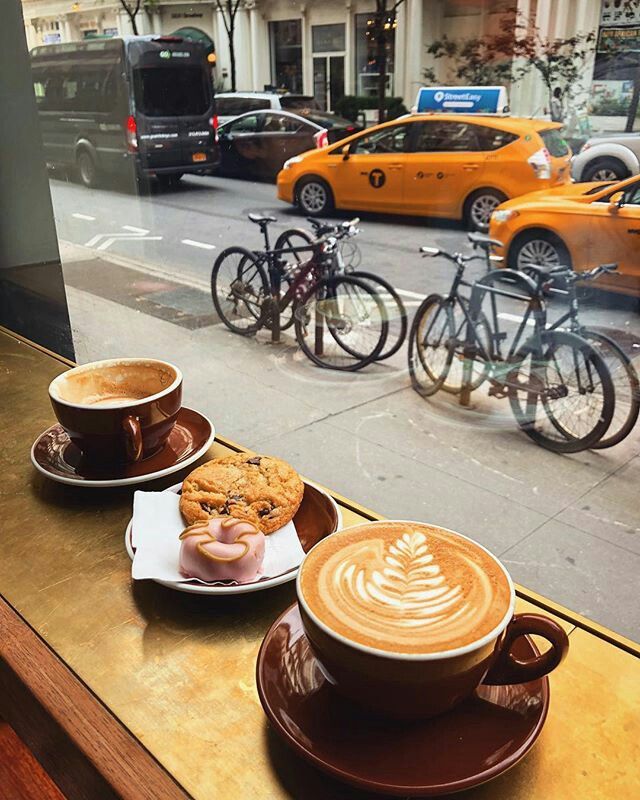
point(476, 60)
point(351, 105)
point(611, 107)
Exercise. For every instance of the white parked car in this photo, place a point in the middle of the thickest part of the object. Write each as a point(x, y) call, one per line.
point(607, 158)
point(231, 104)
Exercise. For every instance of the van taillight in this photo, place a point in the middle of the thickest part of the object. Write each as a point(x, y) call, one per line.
point(214, 125)
point(321, 138)
point(132, 134)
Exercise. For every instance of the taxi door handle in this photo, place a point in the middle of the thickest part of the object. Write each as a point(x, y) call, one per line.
point(396, 166)
point(470, 167)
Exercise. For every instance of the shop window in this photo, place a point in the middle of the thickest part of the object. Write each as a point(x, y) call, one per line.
point(286, 54)
point(328, 38)
point(367, 66)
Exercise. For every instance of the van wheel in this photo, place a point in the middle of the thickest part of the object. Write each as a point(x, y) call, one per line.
point(479, 207)
point(538, 247)
point(87, 170)
point(314, 197)
point(605, 169)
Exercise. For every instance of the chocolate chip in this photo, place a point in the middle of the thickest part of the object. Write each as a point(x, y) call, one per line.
point(206, 507)
point(255, 461)
point(264, 512)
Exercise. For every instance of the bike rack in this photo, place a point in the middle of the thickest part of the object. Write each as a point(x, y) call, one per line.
point(479, 289)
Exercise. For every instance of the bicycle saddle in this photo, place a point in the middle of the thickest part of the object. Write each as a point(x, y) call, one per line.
point(261, 219)
point(480, 240)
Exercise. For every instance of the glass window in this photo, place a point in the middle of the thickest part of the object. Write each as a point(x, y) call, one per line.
point(170, 91)
point(327, 38)
point(227, 106)
point(555, 142)
point(286, 54)
point(367, 67)
point(632, 195)
point(445, 137)
point(281, 123)
point(249, 124)
point(386, 140)
point(492, 138)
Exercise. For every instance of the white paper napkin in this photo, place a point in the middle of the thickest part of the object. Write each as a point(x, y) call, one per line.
point(157, 524)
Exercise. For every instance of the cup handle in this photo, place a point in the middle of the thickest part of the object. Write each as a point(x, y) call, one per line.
point(133, 433)
point(506, 668)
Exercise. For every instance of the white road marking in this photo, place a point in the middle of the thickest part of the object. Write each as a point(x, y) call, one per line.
point(514, 318)
point(84, 216)
point(201, 245)
point(133, 229)
point(110, 238)
point(108, 242)
point(407, 293)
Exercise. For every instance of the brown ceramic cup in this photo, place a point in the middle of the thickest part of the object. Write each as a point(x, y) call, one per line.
point(119, 410)
point(414, 686)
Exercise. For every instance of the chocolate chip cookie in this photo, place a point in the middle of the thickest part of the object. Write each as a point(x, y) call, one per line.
point(260, 489)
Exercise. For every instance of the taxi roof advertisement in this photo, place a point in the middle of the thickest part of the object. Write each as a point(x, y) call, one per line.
point(463, 99)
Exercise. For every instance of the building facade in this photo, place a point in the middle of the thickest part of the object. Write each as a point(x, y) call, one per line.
point(324, 47)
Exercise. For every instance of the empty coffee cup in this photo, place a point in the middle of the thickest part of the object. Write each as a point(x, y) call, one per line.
point(407, 619)
point(119, 410)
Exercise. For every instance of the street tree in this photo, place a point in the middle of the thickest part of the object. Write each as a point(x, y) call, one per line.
point(132, 9)
point(381, 33)
point(475, 61)
point(228, 10)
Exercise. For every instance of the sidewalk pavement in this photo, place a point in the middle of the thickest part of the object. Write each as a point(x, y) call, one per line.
point(567, 527)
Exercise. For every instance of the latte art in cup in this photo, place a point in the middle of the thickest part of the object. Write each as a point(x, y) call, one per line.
point(405, 587)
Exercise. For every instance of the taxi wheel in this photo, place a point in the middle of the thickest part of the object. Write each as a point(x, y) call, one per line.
point(538, 247)
point(479, 207)
point(314, 197)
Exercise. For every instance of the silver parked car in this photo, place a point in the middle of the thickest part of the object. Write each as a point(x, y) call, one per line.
point(607, 158)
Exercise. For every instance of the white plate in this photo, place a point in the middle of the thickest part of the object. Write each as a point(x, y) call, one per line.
point(240, 588)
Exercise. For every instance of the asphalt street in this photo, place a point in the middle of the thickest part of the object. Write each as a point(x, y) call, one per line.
point(137, 273)
point(179, 231)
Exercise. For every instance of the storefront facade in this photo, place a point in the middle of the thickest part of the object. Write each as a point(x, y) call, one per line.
point(326, 49)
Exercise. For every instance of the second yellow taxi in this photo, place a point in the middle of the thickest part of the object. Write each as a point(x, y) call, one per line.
point(439, 165)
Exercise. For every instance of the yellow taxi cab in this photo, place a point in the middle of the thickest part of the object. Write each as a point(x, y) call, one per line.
point(581, 225)
point(437, 165)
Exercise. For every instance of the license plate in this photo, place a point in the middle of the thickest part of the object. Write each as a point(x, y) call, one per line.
point(199, 157)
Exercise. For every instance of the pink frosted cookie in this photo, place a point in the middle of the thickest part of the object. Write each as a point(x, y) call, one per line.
point(222, 549)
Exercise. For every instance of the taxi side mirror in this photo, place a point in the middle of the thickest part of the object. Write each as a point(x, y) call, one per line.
point(346, 152)
point(616, 201)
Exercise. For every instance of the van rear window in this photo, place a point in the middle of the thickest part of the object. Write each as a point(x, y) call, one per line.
point(555, 142)
point(171, 91)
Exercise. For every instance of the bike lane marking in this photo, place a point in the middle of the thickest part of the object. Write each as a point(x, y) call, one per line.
point(201, 245)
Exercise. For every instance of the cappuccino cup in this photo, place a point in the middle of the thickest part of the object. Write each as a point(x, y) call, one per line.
point(120, 410)
point(408, 619)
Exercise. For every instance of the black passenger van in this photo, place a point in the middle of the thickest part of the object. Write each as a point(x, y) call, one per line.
point(143, 105)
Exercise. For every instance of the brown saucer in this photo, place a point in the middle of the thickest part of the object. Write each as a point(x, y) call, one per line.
point(477, 741)
point(55, 456)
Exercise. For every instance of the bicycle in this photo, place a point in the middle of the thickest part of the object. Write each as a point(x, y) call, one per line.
point(339, 321)
point(346, 258)
point(556, 372)
point(624, 375)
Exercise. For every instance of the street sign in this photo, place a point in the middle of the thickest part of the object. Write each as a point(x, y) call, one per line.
point(463, 99)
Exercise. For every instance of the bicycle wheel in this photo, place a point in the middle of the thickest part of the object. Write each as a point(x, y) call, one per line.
point(239, 288)
point(396, 312)
point(294, 237)
point(626, 387)
point(479, 365)
point(341, 323)
point(431, 345)
point(562, 394)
